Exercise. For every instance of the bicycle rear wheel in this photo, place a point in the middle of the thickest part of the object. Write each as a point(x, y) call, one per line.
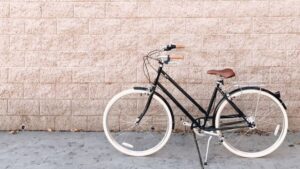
point(145, 138)
point(261, 108)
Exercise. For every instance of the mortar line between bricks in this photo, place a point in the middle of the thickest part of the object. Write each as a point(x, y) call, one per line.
point(153, 17)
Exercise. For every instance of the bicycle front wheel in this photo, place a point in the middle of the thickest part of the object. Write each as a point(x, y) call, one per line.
point(261, 108)
point(145, 138)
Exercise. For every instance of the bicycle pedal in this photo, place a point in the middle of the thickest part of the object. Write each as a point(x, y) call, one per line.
point(221, 140)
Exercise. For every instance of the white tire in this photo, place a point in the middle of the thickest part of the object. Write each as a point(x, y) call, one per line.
point(283, 124)
point(127, 148)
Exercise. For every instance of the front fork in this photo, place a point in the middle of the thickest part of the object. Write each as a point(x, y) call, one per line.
point(152, 91)
point(140, 117)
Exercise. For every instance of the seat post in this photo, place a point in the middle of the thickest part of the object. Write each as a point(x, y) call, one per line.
point(220, 82)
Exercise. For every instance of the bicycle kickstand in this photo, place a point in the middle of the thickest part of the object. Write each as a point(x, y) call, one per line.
point(207, 148)
point(198, 149)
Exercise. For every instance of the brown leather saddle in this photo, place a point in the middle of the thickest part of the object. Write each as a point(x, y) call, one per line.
point(225, 73)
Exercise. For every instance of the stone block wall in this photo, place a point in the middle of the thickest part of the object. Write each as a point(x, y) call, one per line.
point(62, 60)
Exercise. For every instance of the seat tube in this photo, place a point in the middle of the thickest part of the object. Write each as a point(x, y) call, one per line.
point(213, 98)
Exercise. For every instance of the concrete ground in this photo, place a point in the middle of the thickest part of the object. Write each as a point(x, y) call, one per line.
point(91, 150)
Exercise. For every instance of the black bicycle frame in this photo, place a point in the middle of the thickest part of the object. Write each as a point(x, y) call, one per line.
point(195, 122)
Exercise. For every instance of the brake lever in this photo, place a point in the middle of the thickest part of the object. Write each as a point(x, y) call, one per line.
point(169, 47)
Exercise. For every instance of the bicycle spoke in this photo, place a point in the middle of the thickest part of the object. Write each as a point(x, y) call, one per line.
point(127, 122)
point(262, 119)
point(125, 132)
point(241, 137)
point(256, 106)
point(269, 123)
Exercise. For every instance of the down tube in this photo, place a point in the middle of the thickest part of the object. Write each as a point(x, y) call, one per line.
point(178, 104)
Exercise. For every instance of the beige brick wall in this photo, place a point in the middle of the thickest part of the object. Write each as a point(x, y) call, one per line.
point(61, 60)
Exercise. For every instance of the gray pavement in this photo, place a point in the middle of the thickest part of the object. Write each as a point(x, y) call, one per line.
point(91, 150)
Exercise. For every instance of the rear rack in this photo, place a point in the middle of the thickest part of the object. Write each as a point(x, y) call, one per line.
point(245, 83)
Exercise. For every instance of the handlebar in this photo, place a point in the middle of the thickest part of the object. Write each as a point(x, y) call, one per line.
point(173, 46)
point(165, 58)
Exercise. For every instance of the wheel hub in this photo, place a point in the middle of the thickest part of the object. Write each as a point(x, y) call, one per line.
point(251, 119)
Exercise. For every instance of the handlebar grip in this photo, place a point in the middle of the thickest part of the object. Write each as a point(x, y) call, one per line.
point(180, 46)
point(178, 57)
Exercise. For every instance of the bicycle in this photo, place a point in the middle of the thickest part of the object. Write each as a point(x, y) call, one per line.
point(139, 121)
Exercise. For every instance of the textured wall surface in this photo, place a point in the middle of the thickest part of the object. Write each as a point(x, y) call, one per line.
point(62, 60)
